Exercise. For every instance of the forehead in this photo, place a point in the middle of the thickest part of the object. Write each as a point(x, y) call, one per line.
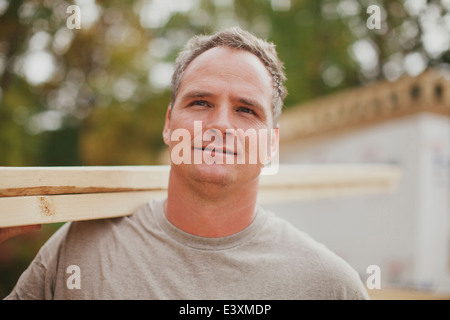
point(235, 69)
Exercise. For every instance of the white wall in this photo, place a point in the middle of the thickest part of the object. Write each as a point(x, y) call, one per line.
point(405, 233)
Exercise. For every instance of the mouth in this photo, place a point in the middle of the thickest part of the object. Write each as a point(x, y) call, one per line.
point(213, 150)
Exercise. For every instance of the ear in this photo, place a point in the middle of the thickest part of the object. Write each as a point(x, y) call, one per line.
point(275, 141)
point(166, 130)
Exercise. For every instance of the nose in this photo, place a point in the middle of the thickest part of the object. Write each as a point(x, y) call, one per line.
point(220, 120)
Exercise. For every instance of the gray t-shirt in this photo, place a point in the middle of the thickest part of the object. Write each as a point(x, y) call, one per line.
point(144, 256)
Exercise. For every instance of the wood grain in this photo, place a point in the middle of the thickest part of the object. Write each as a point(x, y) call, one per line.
point(27, 181)
point(39, 195)
point(28, 210)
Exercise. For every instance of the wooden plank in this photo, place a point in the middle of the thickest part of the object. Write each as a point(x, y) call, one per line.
point(27, 210)
point(325, 175)
point(399, 293)
point(307, 182)
point(26, 181)
point(57, 194)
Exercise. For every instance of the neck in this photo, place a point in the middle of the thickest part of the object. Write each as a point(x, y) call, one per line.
point(210, 210)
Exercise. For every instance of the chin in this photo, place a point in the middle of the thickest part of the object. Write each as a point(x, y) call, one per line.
point(220, 174)
point(225, 174)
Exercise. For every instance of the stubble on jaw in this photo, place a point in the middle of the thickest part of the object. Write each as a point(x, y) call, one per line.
point(210, 186)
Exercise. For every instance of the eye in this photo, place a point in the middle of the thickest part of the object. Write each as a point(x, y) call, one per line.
point(201, 103)
point(246, 110)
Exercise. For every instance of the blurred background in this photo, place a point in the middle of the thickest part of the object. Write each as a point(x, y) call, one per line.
point(96, 94)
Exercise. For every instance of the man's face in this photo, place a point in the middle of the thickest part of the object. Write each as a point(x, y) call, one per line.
point(224, 93)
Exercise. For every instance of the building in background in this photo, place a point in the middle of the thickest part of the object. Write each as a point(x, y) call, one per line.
point(406, 122)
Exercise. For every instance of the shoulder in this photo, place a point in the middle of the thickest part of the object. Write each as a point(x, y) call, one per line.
point(82, 243)
point(330, 274)
point(104, 232)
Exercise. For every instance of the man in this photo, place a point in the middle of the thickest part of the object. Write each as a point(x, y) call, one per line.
point(209, 239)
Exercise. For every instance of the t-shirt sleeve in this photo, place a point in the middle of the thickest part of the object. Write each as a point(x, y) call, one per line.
point(341, 280)
point(38, 280)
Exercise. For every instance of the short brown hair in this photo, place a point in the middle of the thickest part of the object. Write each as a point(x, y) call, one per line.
point(238, 39)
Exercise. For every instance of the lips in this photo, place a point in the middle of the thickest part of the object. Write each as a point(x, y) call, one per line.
point(214, 149)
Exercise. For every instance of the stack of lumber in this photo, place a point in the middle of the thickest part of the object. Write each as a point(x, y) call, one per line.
point(40, 195)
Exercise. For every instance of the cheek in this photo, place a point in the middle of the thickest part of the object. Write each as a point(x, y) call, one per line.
point(254, 145)
point(179, 121)
point(185, 134)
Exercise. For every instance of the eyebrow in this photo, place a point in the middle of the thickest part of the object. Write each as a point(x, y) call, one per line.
point(205, 94)
point(250, 102)
point(197, 94)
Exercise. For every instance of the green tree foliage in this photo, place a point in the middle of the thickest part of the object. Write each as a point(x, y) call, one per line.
point(97, 95)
